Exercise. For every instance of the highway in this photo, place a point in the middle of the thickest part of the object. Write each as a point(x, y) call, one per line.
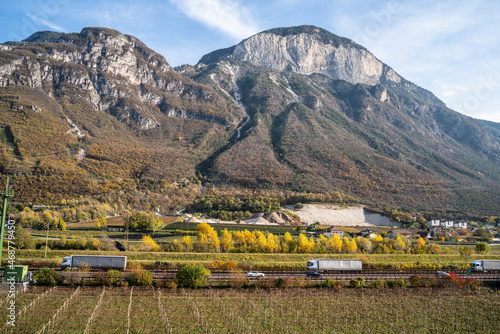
point(370, 275)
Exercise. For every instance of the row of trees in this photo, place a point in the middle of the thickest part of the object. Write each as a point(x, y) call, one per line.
point(47, 218)
point(266, 242)
point(82, 213)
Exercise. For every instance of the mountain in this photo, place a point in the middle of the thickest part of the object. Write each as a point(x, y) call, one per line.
point(98, 113)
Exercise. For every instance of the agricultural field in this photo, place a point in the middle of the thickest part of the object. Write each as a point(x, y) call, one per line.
point(155, 310)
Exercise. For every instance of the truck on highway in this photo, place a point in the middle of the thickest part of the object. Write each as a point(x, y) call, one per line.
point(485, 265)
point(95, 261)
point(318, 265)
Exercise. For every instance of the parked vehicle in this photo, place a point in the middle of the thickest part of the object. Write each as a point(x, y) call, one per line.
point(255, 274)
point(95, 261)
point(485, 265)
point(319, 265)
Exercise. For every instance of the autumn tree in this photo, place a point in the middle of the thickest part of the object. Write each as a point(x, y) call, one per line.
point(272, 243)
point(465, 252)
point(364, 245)
point(482, 247)
point(261, 241)
point(305, 245)
point(187, 243)
point(148, 244)
point(290, 245)
point(143, 221)
point(101, 223)
point(28, 217)
point(399, 244)
point(349, 246)
point(60, 225)
point(334, 244)
point(226, 240)
point(207, 236)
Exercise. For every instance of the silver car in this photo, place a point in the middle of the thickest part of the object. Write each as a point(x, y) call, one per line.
point(255, 274)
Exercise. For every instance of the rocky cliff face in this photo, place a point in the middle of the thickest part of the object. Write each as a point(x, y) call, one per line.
point(309, 49)
point(117, 73)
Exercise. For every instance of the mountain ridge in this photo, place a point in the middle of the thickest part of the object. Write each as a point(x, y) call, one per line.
point(236, 119)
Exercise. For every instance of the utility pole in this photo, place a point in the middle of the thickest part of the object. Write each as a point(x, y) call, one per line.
point(5, 194)
point(47, 239)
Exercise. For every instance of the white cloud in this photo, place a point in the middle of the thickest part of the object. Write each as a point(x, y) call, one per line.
point(226, 15)
point(44, 22)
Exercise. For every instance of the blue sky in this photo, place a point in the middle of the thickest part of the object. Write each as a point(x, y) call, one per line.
point(451, 47)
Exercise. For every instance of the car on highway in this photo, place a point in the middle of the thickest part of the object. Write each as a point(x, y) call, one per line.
point(442, 274)
point(314, 274)
point(255, 274)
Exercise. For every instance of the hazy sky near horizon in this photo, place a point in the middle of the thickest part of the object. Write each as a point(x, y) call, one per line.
point(451, 47)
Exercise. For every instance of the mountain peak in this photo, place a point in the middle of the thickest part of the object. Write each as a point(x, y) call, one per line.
point(320, 34)
point(306, 50)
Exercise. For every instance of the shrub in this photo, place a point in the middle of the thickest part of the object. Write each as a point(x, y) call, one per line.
point(47, 276)
point(192, 276)
point(299, 282)
point(100, 278)
point(170, 285)
point(115, 277)
point(415, 281)
point(331, 283)
point(139, 276)
point(482, 247)
point(378, 284)
point(225, 265)
point(283, 282)
point(357, 283)
point(399, 283)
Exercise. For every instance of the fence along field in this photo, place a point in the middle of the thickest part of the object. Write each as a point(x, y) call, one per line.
point(154, 310)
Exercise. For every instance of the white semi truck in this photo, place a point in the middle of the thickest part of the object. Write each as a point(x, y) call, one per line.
point(95, 261)
point(318, 266)
point(485, 265)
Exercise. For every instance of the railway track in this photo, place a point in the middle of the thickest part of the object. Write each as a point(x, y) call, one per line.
point(370, 275)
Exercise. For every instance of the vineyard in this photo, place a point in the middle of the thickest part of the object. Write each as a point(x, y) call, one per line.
point(154, 310)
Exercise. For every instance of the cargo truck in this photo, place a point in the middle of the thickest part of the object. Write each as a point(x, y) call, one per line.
point(95, 261)
point(485, 265)
point(318, 266)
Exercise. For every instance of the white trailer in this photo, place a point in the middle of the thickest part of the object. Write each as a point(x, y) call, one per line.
point(95, 261)
point(485, 265)
point(319, 265)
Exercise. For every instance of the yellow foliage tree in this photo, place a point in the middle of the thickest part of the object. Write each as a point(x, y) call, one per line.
point(272, 243)
point(421, 241)
point(306, 245)
point(250, 238)
point(334, 244)
point(261, 241)
point(349, 246)
point(399, 244)
point(148, 244)
point(101, 223)
point(226, 240)
point(208, 236)
point(290, 245)
point(187, 243)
